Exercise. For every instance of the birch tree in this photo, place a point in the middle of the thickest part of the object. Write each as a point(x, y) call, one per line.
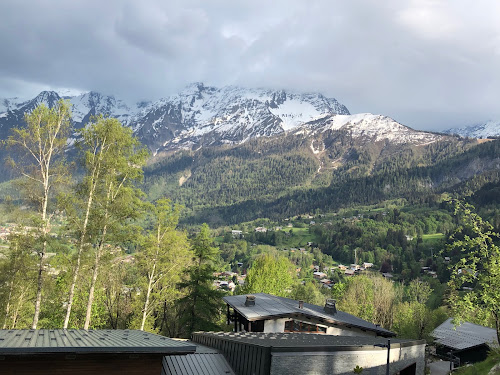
point(162, 260)
point(98, 147)
point(39, 147)
point(116, 199)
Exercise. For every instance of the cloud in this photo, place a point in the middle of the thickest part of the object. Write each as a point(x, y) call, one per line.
point(427, 63)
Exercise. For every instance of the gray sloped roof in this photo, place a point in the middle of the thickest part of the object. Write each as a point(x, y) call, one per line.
point(196, 364)
point(270, 307)
point(306, 341)
point(465, 336)
point(88, 341)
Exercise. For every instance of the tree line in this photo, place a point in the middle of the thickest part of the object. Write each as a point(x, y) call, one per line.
point(94, 252)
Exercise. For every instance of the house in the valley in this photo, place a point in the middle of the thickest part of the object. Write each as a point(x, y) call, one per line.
point(263, 312)
point(318, 275)
point(468, 342)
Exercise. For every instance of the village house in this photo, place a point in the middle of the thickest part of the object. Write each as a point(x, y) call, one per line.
point(263, 312)
point(319, 275)
point(467, 342)
point(236, 233)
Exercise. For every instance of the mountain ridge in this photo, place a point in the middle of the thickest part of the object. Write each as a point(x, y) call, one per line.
point(201, 116)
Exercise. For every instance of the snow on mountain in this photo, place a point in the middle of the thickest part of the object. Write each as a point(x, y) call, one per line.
point(92, 103)
point(372, 128)
point(488, 129)
point(208, 115)
point(10, 104)
point(201, 115)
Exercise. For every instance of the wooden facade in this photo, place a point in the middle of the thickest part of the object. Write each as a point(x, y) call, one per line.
point(79, 364)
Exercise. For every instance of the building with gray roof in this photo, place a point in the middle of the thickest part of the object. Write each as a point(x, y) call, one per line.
point(50, 351)
point(263, 312)
point(257, 353)
point(467, 341)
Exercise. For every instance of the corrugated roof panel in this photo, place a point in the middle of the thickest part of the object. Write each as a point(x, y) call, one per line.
point(115, 341)
point(196, 364)
point(302, 340)
point(465, 336)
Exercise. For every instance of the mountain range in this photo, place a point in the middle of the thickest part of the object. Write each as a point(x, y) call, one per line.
point(201, 116)
point(233, 154)
point(488, 129)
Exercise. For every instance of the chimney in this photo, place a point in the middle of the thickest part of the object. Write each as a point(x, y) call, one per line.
point(250, 301)
point(330, 307)
point(301, 304)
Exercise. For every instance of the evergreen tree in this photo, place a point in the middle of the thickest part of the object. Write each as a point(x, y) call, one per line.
point(202, 304)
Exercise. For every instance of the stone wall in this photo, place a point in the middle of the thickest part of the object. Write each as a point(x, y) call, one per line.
point(343, 361)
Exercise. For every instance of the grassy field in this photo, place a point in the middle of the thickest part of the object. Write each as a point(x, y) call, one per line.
point(429, 239)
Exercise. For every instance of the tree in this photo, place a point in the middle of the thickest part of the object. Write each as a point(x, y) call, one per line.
point(270, 274)
point(100, 142)
point(116, 200)
point(162, 259)
point(371, 298)
point(308, 292)
point(412, 318)
point(41, 142)
point(478, 267)
point(202, 304)
point(17, 273)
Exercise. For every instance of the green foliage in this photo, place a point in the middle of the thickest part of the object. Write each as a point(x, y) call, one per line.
point(161, 261)
point(476, 266)
point(201, 306)
point(270, 274)
point(307, 292)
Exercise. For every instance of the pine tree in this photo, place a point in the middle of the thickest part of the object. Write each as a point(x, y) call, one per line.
point(202, 304)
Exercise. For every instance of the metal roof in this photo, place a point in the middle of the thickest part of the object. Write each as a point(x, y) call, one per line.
point(306, 341)
point(196, 364)
point(270, 307)
point(88, 341)
point(464, 336)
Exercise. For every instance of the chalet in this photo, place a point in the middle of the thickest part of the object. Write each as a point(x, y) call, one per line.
point(468, 342)
point(261, 229)
point(73, 351)
point(236, 233)
point(267, 313)
point(319, 275)
point(350, 272)
point(367, 265)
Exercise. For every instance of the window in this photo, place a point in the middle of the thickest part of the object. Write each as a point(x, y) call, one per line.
point(298, 326)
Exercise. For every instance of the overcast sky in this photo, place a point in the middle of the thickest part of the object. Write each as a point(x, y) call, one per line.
point(429, 64)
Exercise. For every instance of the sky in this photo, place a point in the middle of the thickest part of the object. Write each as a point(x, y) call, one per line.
point(429, 64)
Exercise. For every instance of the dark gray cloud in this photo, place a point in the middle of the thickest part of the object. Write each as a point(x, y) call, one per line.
point(429, 64)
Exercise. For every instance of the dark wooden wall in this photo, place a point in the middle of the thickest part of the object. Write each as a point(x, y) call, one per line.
point(78, 364)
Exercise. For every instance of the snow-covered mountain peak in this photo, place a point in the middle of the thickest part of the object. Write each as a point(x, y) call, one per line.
point(488, 129)
point(372, 128)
